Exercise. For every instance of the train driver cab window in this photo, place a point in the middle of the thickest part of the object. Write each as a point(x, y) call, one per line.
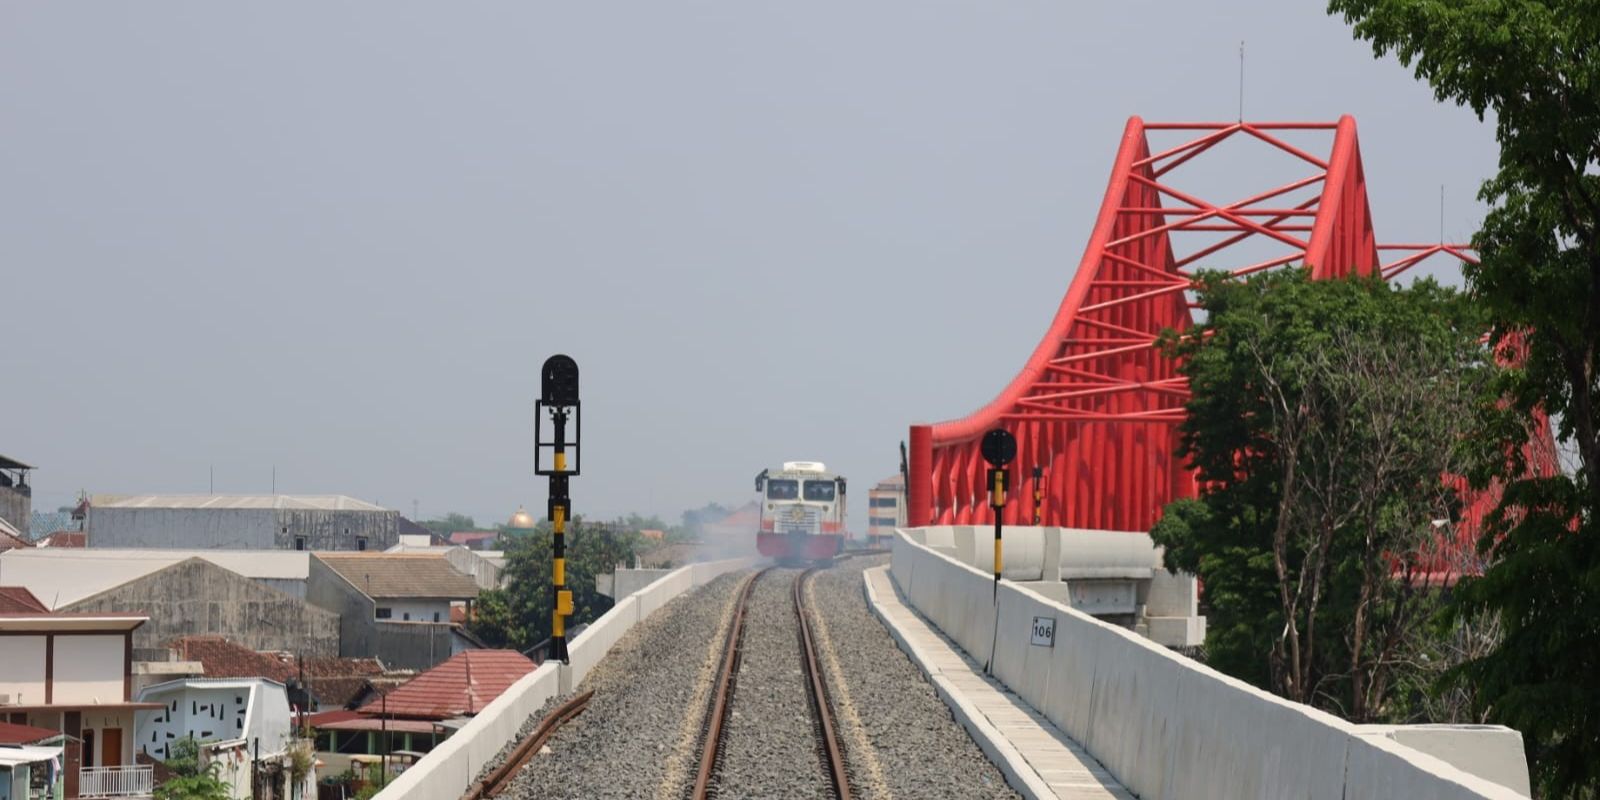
point(820, 491)
point(783, 489)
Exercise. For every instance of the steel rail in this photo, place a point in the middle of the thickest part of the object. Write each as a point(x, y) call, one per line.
point(819, 695)
point(496, 781)
point(722, 696)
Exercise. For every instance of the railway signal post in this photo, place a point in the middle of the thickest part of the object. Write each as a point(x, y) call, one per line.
point(998, 448)
point(1038, 493)
point(558, 400)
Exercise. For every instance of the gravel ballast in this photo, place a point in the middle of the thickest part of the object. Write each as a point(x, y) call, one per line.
point(770, 746)
point(639, 738)
point(899, 737)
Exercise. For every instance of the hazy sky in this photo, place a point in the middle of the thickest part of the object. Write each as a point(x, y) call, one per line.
point(341, 238)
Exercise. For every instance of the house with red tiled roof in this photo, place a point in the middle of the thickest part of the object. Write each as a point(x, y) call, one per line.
point(65, 539)
point(475, 540)
point(423, 711)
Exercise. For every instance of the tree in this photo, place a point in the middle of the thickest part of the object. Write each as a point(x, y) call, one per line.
point(1323, 415)
point(450, 523)
point(1533, 64)
point(190, 780)
point(518, 616)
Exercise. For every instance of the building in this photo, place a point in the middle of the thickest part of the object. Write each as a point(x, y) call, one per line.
point(314, 683)
point(64, 539)
point(394, 606)
point(886, 507)
point(184, 594)
point(285, 571)
point(244, 724)
point(28, 771)
point(72, 673)
point(423, 711)
point(487, 567)
point(475, 540)
point(11, 538)
point(240, 522)
point(16, 496)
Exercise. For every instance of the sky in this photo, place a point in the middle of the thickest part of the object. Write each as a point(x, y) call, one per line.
point(335, 242)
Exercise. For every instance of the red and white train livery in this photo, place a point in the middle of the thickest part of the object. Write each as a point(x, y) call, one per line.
point(802, 512)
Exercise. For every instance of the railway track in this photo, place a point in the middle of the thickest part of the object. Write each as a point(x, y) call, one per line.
point(497, 779)
point(830, 752)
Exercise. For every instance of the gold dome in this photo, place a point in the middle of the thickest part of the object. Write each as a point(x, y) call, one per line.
point(521, 520)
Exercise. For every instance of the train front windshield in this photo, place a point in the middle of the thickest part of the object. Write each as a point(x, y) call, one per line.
point(783, 489)
point(820, 491)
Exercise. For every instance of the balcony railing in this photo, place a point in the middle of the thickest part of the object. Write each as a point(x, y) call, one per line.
point(133, 781)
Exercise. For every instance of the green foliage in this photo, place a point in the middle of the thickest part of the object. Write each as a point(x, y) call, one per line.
point(190, 780)
point(1322, 415)
point(380, 779)
point(1532, 64)
point(450, 523)
point(518, 616)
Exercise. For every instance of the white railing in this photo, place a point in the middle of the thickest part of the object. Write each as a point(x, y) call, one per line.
point(134, 781)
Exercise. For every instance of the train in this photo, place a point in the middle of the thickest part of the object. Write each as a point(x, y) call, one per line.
point(802, 512)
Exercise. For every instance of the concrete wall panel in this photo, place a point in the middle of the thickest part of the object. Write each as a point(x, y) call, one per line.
point(196, 597)
point(22, 661)
point(86, 669)
point(1164, 725)
point(446, 771)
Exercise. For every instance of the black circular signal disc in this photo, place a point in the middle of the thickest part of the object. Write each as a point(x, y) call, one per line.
point(998, 447)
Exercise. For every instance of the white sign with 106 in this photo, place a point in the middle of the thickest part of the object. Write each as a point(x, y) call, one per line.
point(1044, 631)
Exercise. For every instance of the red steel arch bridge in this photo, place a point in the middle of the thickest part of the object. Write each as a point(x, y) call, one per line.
point(1097, 406)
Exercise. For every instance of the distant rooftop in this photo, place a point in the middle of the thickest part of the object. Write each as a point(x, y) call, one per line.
point(289, 502)
point(11, 463)
point(62, 576)
point(393, 575)
point(17, 599)
point(464, 684)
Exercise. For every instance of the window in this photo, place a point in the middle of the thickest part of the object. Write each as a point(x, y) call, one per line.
point(821, 491)
point(407, 616)
point(361, 541)
point(299, 542)
point(385, 613)
point(882, 522)
point(783, 489)
point(885, 502)
point(435, 616)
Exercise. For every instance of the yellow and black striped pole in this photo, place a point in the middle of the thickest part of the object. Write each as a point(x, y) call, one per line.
point(559, 507)
point(997, 500)
point(1038, 494)
point(559, 399)
point(998, 447)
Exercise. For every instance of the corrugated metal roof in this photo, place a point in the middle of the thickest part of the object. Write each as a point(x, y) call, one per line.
point(290, 502)
point(462, 685)
point(418, 575)
point(61, 577)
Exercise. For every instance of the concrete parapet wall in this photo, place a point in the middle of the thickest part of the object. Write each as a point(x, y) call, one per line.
point(1165, 726)
point(446, 771)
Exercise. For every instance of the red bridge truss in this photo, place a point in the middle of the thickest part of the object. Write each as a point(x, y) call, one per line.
point(1097, 406)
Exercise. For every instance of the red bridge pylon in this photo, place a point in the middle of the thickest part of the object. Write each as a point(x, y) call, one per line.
point(1097, 405)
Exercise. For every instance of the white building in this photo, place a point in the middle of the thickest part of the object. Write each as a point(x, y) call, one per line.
point(237, 721)
point(72, 673)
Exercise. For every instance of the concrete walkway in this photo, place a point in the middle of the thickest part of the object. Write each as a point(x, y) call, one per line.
point(1038, 760)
